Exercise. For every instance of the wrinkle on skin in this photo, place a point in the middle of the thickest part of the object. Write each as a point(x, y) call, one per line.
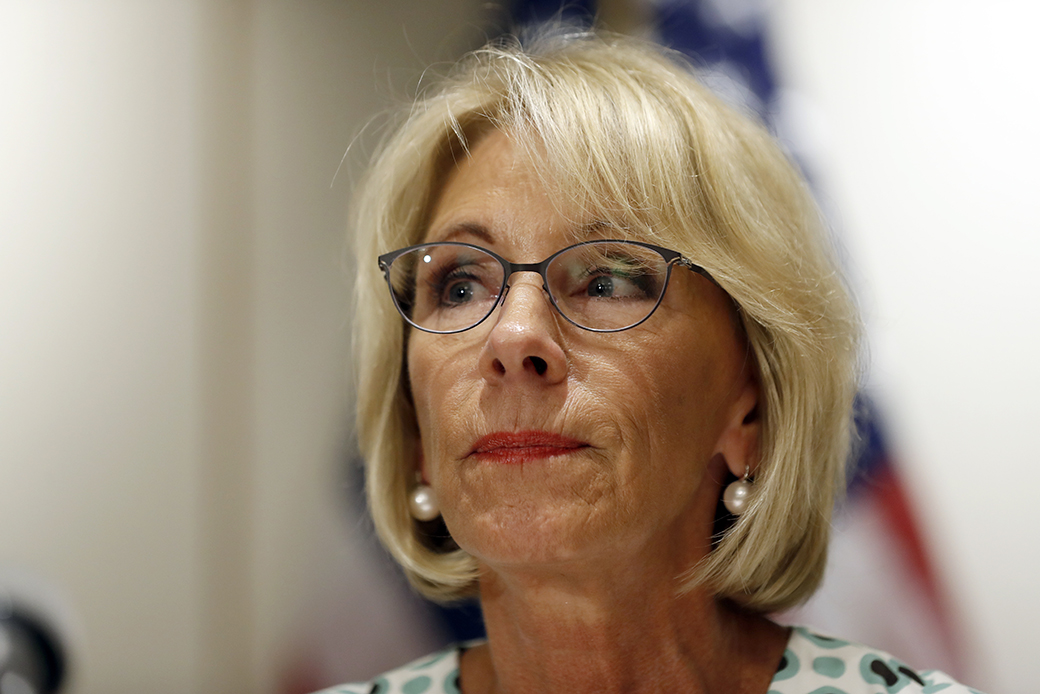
point(581, 552)
point(638, 397)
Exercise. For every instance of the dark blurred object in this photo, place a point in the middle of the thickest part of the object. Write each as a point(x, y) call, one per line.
point(32, 660)
point(525, 12)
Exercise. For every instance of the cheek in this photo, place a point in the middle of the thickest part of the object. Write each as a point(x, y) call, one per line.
point(672, 392)
point(441, 382)
point(650, 408)
point(669, 382)
point(421, 377)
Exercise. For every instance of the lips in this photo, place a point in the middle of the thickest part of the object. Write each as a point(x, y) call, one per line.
point(523, 446)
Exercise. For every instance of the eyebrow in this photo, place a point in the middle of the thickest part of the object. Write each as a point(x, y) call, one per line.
point(596, 228)
point(469, 229)
point(585, 232)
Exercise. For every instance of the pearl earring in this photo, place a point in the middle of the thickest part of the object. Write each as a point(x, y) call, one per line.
point(738, 494)
point(422, 502)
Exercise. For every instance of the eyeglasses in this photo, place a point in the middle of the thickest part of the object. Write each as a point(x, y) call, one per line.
point(602, 286)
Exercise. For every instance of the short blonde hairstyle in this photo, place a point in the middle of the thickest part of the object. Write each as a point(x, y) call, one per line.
point(622, 128)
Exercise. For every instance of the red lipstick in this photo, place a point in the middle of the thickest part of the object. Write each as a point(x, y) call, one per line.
point(513, 447)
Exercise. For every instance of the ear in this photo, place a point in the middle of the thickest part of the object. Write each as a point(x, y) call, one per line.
point(739, 441)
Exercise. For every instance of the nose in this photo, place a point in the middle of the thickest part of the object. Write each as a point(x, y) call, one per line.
point(524, 342)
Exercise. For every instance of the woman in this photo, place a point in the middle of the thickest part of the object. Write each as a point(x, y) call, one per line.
point(609, 389)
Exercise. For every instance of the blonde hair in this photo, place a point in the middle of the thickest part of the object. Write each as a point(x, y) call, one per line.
point(623, 128)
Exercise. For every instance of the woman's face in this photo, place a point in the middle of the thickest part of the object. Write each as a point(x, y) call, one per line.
point(547, 444)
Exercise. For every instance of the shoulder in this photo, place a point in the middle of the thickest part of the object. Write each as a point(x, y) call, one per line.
point(816, 663)
point(437, 673)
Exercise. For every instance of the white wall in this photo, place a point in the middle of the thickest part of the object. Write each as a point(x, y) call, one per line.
point(174, 403)
point(924, 118)
point(98, 273)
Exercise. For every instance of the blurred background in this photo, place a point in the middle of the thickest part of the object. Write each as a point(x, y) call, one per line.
point(177, 475)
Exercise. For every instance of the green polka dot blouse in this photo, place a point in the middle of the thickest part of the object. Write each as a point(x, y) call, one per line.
point(811, 664)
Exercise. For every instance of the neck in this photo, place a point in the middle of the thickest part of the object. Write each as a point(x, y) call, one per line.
point(559, 633)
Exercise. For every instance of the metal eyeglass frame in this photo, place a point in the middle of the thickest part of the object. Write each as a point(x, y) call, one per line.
point(671, 258)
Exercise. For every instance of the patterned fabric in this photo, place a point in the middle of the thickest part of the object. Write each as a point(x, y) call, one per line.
point(815, 664)
point(433, 674)
point(811, 664)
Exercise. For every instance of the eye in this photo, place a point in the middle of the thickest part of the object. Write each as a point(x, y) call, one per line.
point(602, 286)
point(460, 287)
point(459, 279)
point(618, 283)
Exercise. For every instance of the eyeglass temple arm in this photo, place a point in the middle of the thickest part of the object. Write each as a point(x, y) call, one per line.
point(685, 262)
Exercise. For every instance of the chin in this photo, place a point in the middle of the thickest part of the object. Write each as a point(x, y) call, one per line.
point(530, 536)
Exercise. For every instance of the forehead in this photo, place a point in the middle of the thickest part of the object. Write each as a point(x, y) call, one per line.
point(493, 158)
point(487, 178)
point(493, 194)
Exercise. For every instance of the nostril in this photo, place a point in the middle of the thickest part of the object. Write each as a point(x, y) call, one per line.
point(499, 367)
point(539, 365)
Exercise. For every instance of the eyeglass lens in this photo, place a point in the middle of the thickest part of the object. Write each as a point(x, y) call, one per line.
point(606, 285)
